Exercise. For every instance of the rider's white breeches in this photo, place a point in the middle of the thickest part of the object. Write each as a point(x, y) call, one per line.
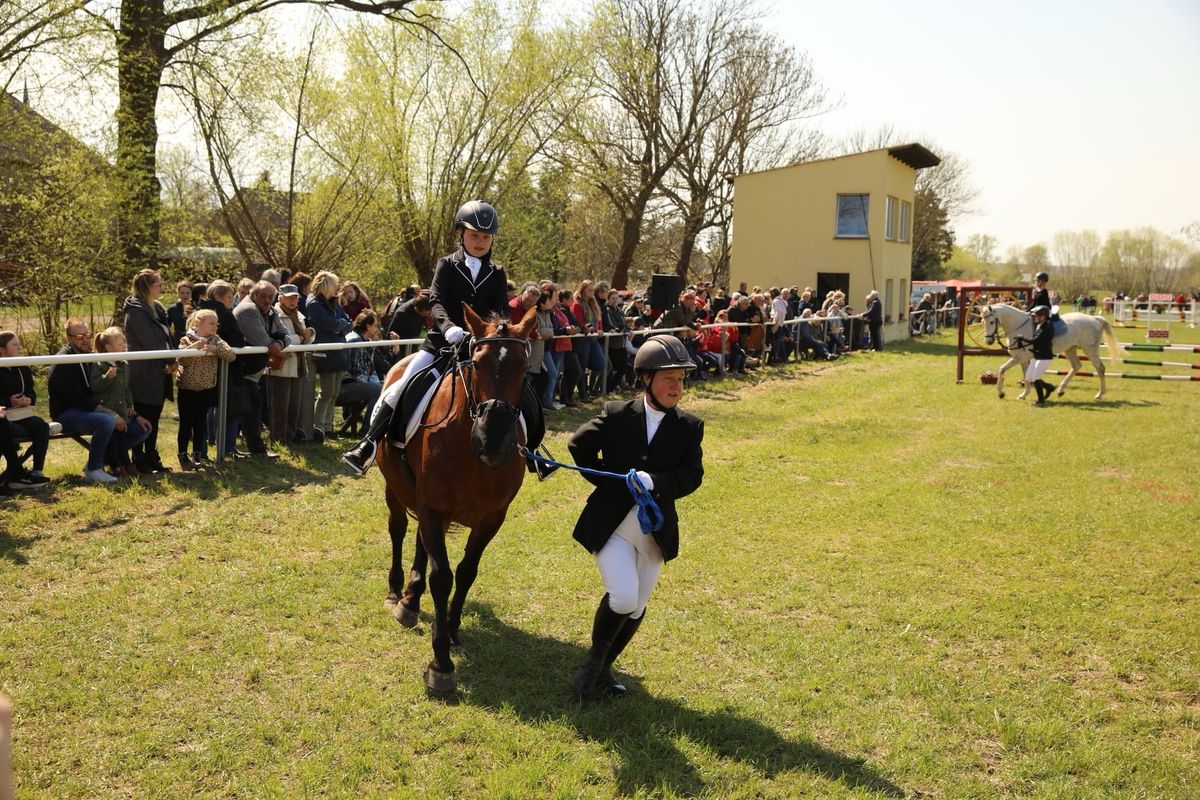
point(1036, 369)
point(629, 571)
point(391, 395)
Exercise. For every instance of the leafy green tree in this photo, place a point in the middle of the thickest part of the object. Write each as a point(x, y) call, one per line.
point(149, 38)
point(56, 200)
point(443, 129)
point(933, 238)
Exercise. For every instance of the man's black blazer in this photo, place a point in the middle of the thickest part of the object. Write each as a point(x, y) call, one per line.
point(615, 441)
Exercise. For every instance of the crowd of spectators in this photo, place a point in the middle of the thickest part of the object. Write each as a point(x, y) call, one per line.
point(587, 337)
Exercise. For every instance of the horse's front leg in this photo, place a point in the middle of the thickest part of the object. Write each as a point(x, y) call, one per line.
point(439, 676)
point(1000, 378)
point(468, 568)
point(397, 528)
point(408, 610)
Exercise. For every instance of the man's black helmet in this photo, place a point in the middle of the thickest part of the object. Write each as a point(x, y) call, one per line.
point(1042, 276)
point(1043, 310)
point(663, 351)
point(478, 216)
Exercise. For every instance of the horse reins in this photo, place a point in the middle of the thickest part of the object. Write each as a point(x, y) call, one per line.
point(473, 409)
point(1010, 346)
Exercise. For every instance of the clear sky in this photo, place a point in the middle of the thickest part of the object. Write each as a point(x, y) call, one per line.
point(1070, 114)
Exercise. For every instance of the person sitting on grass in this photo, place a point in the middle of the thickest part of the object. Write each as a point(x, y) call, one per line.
point(110, 387)
point(73, 405)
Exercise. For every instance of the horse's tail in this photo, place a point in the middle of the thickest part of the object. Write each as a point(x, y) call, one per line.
point(1110, 339)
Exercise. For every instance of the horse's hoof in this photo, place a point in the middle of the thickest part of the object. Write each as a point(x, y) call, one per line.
point(440, 682)
point(391, 601)
point(1001, 395)
point(405, 616)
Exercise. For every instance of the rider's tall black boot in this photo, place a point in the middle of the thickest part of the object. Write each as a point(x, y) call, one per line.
point(606, 681)
point(605, 628)
point(362, 456)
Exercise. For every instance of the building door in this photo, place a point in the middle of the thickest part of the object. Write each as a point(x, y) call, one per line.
point(832, 281)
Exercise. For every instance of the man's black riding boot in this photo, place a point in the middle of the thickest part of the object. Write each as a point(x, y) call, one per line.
point(362, 456)
point(606, 681)
point(605, 628)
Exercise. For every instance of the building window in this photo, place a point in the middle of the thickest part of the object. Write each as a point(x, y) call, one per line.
point(852, 215)
point(888, 302)
point(905, 220)
point(889, 227)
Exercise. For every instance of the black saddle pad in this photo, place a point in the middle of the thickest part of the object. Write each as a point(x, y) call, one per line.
point(413, 392)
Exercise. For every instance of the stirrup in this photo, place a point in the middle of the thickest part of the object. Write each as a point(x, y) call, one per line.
point(541, 468)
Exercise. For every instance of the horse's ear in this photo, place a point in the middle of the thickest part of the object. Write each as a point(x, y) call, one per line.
point(478, 326)
point(527, 328)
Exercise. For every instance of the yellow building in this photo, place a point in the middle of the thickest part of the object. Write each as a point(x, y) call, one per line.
point(839, 223)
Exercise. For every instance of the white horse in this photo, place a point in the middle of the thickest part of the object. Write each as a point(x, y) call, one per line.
point(1083, 331)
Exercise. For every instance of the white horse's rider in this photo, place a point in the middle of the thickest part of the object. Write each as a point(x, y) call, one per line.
point(1042, 345)
point(467, 275)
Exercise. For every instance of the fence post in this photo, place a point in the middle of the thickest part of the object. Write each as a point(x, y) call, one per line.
point(222, 407)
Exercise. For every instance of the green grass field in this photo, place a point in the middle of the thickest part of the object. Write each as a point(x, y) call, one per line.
point(890, 586)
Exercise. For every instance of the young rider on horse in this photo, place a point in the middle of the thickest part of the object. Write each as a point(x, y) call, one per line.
point(1041, 295)
point(467, 275)
point(1043, 352)
point(650, 435)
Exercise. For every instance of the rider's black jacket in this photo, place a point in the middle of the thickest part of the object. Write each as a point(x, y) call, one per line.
point(1043, 340)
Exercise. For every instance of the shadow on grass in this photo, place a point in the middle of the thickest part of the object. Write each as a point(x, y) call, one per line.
point(10, 546)
point(504, 668)
point(1100, 405)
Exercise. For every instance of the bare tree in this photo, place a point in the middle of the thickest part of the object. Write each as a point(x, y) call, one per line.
point(658, 75)
point(770, 87)
point(312, 220)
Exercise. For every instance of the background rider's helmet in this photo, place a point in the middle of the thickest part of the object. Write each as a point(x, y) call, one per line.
point(478, 216)
point(1042, 276)
point(1042, 310)
point(663, 351)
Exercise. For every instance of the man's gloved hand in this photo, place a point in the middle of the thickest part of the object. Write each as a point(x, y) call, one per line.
point(454, 334)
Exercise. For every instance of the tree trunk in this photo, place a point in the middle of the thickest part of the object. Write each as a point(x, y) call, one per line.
point(140, 60)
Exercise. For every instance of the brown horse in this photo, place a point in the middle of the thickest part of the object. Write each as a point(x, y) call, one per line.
point(467, 471)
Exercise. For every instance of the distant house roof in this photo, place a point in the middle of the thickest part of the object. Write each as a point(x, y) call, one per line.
point(19, 147)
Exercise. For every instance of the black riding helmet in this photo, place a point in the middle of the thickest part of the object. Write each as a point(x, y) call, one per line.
point(1043, 310)
point(662, 351)
point(1042, 276)
point(478, 216)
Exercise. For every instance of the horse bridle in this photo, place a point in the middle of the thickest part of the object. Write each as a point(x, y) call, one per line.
point(477, 410)
point(1012, 339)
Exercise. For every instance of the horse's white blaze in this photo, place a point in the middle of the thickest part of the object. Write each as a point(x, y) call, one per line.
point(503, 352)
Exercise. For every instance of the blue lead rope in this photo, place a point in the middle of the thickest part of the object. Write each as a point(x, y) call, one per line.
point(649, 515)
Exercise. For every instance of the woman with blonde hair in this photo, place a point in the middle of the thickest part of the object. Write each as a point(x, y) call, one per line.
point(327, 317)
point(147, 328)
